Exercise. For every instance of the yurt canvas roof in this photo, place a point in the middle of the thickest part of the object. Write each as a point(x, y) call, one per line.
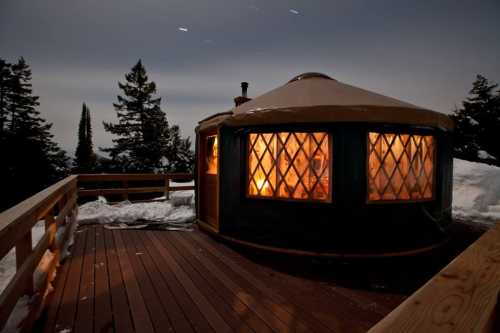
point(314, 97)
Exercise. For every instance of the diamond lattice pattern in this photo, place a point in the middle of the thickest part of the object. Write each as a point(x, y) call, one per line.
point(400, 166)
point(289, 165)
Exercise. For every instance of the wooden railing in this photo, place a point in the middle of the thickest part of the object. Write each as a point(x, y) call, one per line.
point(57, 207)
point(126, 180)
point(463, 297)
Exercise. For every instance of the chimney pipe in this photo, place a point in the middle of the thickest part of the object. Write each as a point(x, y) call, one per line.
point(244, 88)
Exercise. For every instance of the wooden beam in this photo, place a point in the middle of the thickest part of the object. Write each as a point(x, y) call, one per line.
point(113, 177)
point(18, 220)
point(462, 297)
point(120, 191)
point(15, 289)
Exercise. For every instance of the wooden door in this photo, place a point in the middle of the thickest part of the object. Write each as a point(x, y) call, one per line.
point(209, 177)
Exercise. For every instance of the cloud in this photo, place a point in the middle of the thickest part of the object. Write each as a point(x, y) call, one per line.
point(79, 50)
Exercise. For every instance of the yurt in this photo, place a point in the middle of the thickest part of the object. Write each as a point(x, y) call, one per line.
point(319, 167)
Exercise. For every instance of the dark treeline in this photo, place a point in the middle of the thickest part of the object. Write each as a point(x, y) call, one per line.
point(477, 124)
point(30, 159)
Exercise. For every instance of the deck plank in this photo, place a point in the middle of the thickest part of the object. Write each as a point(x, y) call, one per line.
point(103, 320)
point(140, 316)
point(161, 322)
point(68, 307)
point(282, 307)
point(189, 308)
point(223, 308)
point(214, 319)
point(250, 318)
point(161, 281)
point(308, 296)
point(85, 315)
point(56, 298)
point(179, 321)
point(249, 300)
point(122, 320)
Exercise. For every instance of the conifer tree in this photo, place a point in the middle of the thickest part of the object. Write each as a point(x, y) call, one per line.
point(5, 82)
point(477, 124)
point(181, 156)
point(32, 159)
point(84, 156)
point(142, 128)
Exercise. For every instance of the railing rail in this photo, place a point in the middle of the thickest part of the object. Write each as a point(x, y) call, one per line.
point(462, 297)
point(57, 206)
point(127, 180)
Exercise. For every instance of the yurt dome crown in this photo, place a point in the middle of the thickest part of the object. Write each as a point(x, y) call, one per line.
point(310, 75)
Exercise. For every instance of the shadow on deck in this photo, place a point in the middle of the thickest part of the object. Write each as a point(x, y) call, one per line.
point(160, 281)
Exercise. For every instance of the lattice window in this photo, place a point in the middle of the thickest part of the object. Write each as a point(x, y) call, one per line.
point(289, 165)
point(400, 166)
point(212, 153)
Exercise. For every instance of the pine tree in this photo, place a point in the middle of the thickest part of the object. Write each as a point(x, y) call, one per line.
point(142, 127)
point(32, 159)
point(5, 82)
point(180, 155)
point(85, 158)
point(477, 124)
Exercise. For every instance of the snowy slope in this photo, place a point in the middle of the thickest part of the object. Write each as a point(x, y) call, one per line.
point(476, 192)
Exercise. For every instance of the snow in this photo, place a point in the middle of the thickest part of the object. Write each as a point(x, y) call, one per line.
point(8, 263)
point(483, 154)
point(179, 209)
point(17, 316)
point(476, 192)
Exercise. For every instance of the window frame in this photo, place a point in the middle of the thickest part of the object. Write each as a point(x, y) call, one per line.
point(217, 157)
point(411, 132)
point(247, 173)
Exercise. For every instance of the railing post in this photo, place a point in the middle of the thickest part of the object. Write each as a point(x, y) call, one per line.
point(23, 250)
point(167, 187)
point(125, 185)
point(51, 228)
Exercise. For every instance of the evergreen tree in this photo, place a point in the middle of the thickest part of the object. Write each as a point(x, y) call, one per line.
point(5, 83)
point(142, 128)
point(477, 124)
point(32, 159)
point(85, 158)
point(180, 155)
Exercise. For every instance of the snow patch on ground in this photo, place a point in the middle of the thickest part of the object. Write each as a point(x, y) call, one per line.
point(179, 209)
point(476, 192)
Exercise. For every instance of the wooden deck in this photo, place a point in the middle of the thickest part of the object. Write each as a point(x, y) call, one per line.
point(161, 281)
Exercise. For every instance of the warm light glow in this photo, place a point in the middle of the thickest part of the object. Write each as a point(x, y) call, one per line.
point(289, 165)
point(212, 154)
point(400, 166)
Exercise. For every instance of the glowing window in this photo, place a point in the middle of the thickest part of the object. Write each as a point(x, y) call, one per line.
point(289, 165)
point(212, 155)
point(400, 166)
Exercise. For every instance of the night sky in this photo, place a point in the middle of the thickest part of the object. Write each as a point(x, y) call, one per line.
point(423, 52)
